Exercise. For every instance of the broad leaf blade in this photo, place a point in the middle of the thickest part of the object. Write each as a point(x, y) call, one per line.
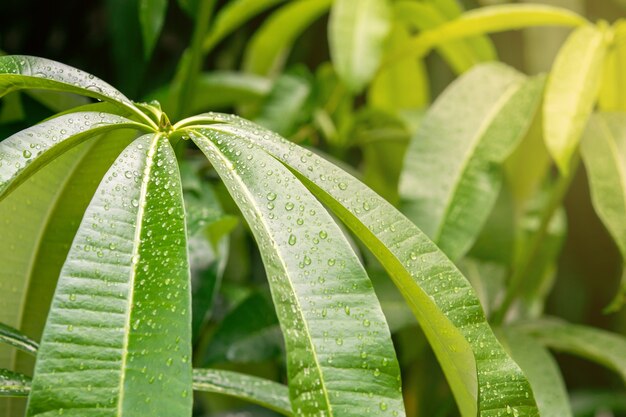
point(357, 32)
point(27, 72)
point(121, 310)
point(13, 384)
point(151, 17)
point(22, 154)
point(543, 374)
point(452, 173)
point(260, 391)
point(316, 279)
point(13, 337)
point(603, 149)
point(571, 92)
point(269, 46)
point(483, 377)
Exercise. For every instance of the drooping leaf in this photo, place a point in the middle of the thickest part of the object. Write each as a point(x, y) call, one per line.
point(315, 278)
point(260, 391)
point(13, 384)
point(600, 346)
point(452, 172)
point(269, 46)
point(543, 374)
point(19, 72)
point(442, 300)
point(357, 32)
point(571, 92)
point(233, 15)
point(13, 337)
point(27, 151)
point(603, 150)
point(151, 16)
point(130, 247)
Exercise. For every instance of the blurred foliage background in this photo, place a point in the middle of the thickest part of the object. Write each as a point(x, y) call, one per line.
point(299, 96)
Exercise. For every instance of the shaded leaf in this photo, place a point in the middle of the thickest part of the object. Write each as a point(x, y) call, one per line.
point(13, 337)
point(151, 16)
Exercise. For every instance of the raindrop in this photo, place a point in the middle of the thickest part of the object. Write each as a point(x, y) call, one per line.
point(27, 154)
point(271, 196)
point(292, 240)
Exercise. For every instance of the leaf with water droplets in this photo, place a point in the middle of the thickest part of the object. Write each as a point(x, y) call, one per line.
point(27, 151)
point(483, 377)
point(13, 384)
point(260, 391)
point(19, 72)
point(452, 172)
point(310, 295)
point(13, 337)
point(121, 310)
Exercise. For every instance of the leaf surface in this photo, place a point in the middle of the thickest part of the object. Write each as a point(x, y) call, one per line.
point(121, 310)
point(151, 16)
point(343, 369)
point(13, 337)
point(13, 384)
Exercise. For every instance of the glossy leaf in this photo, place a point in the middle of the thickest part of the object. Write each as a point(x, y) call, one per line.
point(315, 278)
point(29, 150)
point(19, 72)
point(232, 16)
point(260, 391)
point(471, 139)
point(442, 300)
point(270, 45)
point(13, 337)
point(543, 374)
point(151, 17)
point(603, 149)
point(13, 384)
point(600, 346)
point(571, 92)
point(357, 32)
point(121, 355)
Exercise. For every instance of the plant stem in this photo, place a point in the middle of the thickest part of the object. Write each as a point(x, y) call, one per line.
point(518, 277)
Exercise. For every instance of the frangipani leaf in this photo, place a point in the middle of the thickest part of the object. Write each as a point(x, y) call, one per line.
point(13, 384)
point(13, 337)
point(340, 358)
point(571, 92)
point(260, 391)
point(119, 328)
point(452, 173)
point(357, 32)
point(482, 376)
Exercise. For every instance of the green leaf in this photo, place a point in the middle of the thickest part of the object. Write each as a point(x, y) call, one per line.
point(259, 391)
point(131, 246)
point(543, 374)
point(571, 92)
point(27, 151)
point(232, 16)
point(151, 16)
point(442, 300)
point(357, 33)
point(471, 139)
point(13, 384)
point(600, 346)
point(603, 149)
point(270, 45)
point(19, 72)
point(13, 337)
point(315, 278)
point(590, 403)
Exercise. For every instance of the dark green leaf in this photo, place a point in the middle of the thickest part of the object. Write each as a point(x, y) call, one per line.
point(151, 17)
point(13, 384)
point(13, 337)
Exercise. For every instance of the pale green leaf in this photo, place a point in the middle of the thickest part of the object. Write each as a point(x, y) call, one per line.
point(131, 246)
point(542, 372)
point(603, 150)
point(27, 151)
point(260, 391)
point(232, 16)
point(270, 45)
point(357, 33)
point(316, 279)
point(452, 172)
point(571, 92)
point(151, 17)
point(596, 345)
point(482, 376)
point(13, 384)
point(13, 337)
point(19, 72)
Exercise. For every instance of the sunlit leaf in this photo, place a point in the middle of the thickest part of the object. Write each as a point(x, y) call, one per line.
point(13, 384)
